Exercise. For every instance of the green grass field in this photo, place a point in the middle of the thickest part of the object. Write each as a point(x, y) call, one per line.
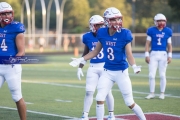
point(53, 92)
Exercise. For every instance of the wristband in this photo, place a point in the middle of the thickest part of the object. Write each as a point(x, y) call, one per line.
point(146, 54)
point(134, 65)
point(83, 62)
point(170, 54)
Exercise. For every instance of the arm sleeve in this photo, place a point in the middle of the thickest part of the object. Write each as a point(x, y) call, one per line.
point(148, 38)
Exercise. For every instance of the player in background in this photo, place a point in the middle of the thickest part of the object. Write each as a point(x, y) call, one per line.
point(95, 69)
point(158, 38)
point(12, 44)
point(116, 42)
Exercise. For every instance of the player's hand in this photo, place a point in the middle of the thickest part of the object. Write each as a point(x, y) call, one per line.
point(147, 59)
point(79, 73)
point(76, 61)
point(169, 60)
point(136, 69)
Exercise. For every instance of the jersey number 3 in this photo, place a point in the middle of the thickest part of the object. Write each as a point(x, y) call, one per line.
point(3, 45)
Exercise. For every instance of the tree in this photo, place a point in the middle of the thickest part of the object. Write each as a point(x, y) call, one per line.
point(175, 5)
point(145, 10)
point(98, 7)
point(76, 15)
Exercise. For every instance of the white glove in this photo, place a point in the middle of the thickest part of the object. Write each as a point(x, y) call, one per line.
point(136, 69)
point(76, 61)
point(79, 73)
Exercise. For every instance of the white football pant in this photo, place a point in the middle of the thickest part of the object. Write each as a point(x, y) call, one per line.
point(107, 80)
point(158, 59)
point(93, 74)
point(12, 75)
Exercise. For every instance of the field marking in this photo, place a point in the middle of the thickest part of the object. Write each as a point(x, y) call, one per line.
point(29, 103)
point(158, 113)
point(77, 86)
point(41, 113)
point(58, 100)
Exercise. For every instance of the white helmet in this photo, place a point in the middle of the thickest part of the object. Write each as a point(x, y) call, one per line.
point(93, 21)
point(110, 13)
point(157, 17)
point(5, 7)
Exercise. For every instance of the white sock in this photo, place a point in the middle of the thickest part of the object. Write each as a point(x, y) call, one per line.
point(138, 111)
point(85, 114)
point(88, 100)
point(110, 101)
point(111, 114)
point(100, 111)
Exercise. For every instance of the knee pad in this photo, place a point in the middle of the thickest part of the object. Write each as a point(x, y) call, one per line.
point(162, 76)
point(89, 93)
point(128, 101)
point(16, 95)
point(151, 77)
point(100, 96)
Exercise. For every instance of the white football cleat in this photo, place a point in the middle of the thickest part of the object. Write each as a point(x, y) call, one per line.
point(150, 96)
point(111, 118)
point(84, 118)
point(161, 96)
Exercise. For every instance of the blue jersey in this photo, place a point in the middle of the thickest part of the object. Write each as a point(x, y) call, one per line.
point(159, 38)
point(90, 41)
point(114, 46)
point(7, 38)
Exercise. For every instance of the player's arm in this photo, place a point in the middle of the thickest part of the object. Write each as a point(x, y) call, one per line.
point(147, 45)
point(129, 55)
point(131, 59)
point(20, 43)
point(81, 65)
point(169, 46)
point(93, 53)
point(86, 51)
point(90, 55)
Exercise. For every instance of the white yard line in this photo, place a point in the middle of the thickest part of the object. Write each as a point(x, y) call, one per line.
point(41, 113)
point(77, 86)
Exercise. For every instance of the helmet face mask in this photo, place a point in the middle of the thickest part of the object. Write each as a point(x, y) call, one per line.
point(160, 20)
point(95, 22)
point(113, 18)
point(6, 13)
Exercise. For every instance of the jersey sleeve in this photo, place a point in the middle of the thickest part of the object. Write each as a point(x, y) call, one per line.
point(170, 32)
point(19, 28)
point(148, 32)
point(98, 35)
point(84, 39)
point(129, 37)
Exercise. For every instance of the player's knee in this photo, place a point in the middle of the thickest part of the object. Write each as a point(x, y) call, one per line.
point(16, 95)
point(162, 76)
point(151, 77)
point(100, 97)
point(129, 102)
point(89, 93)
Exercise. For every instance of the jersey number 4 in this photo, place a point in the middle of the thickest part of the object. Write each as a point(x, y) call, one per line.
point(3, 45)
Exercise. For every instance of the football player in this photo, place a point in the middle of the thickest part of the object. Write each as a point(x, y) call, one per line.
point(159, 38)
point(95, 69)
point(12, 44)
point(116, 42)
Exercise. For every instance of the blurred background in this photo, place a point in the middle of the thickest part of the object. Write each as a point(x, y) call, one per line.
point(58, 25)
